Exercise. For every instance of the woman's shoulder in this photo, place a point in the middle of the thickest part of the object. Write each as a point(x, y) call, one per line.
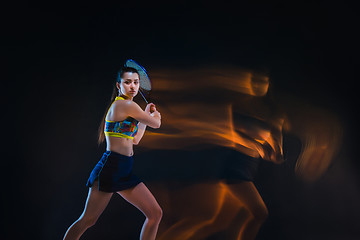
point(125, 104)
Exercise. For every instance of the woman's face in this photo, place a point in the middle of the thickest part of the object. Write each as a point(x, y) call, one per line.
point(129, 85)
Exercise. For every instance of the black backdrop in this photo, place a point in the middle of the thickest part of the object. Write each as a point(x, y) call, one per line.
point(60, 62)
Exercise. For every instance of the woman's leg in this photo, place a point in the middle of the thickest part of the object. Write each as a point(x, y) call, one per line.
point(95, 204)
point(142, 198)
point(250, 198)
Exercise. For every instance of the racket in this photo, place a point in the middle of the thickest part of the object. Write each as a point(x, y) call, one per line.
point(145, 83)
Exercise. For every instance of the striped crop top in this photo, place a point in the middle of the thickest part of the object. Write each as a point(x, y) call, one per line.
point(123, 129)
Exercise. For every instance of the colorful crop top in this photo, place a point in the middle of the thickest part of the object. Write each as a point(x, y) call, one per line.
point(124, 129)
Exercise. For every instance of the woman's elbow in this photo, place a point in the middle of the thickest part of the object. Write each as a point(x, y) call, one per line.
point(157, 125)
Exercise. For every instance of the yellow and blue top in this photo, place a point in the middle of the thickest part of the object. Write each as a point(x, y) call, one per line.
point(124, 129)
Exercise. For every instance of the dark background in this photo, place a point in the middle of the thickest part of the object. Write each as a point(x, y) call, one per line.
point(60, 63)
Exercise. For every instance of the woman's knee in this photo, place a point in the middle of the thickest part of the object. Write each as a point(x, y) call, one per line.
point(155, 214)
point(159, 212)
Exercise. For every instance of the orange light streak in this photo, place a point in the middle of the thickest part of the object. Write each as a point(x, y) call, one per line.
point(203, 210)
point(192, 120)
point(233, 79)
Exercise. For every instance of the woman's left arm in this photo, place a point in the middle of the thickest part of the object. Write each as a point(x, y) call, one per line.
point(139, 134)
point(141, 127)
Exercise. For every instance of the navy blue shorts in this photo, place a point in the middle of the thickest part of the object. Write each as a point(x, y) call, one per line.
point(113, 173)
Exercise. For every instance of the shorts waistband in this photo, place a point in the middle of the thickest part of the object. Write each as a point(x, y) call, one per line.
point(116, 154)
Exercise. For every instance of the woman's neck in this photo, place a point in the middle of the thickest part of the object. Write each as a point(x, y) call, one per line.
point(125, 97)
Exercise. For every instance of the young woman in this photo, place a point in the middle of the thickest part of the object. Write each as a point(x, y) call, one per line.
point(123, 126)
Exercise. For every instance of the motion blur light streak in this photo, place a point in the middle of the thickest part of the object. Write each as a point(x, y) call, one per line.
point(232, 79)
point(186, 228)
point(216, 210)
point(227, 107)
point(320, 133)
point(198, 120)
point(203, 128)
point(210, 121)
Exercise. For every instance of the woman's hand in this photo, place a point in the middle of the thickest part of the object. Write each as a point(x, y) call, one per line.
point(150, 108)
point(156, 114)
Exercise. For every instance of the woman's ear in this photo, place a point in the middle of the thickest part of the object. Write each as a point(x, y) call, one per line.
point(118, 87)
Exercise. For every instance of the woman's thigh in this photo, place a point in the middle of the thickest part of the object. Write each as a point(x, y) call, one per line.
point(141, 197)
point(96, 202)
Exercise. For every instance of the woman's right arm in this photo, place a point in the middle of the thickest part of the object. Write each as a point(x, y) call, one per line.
point(133, 110)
